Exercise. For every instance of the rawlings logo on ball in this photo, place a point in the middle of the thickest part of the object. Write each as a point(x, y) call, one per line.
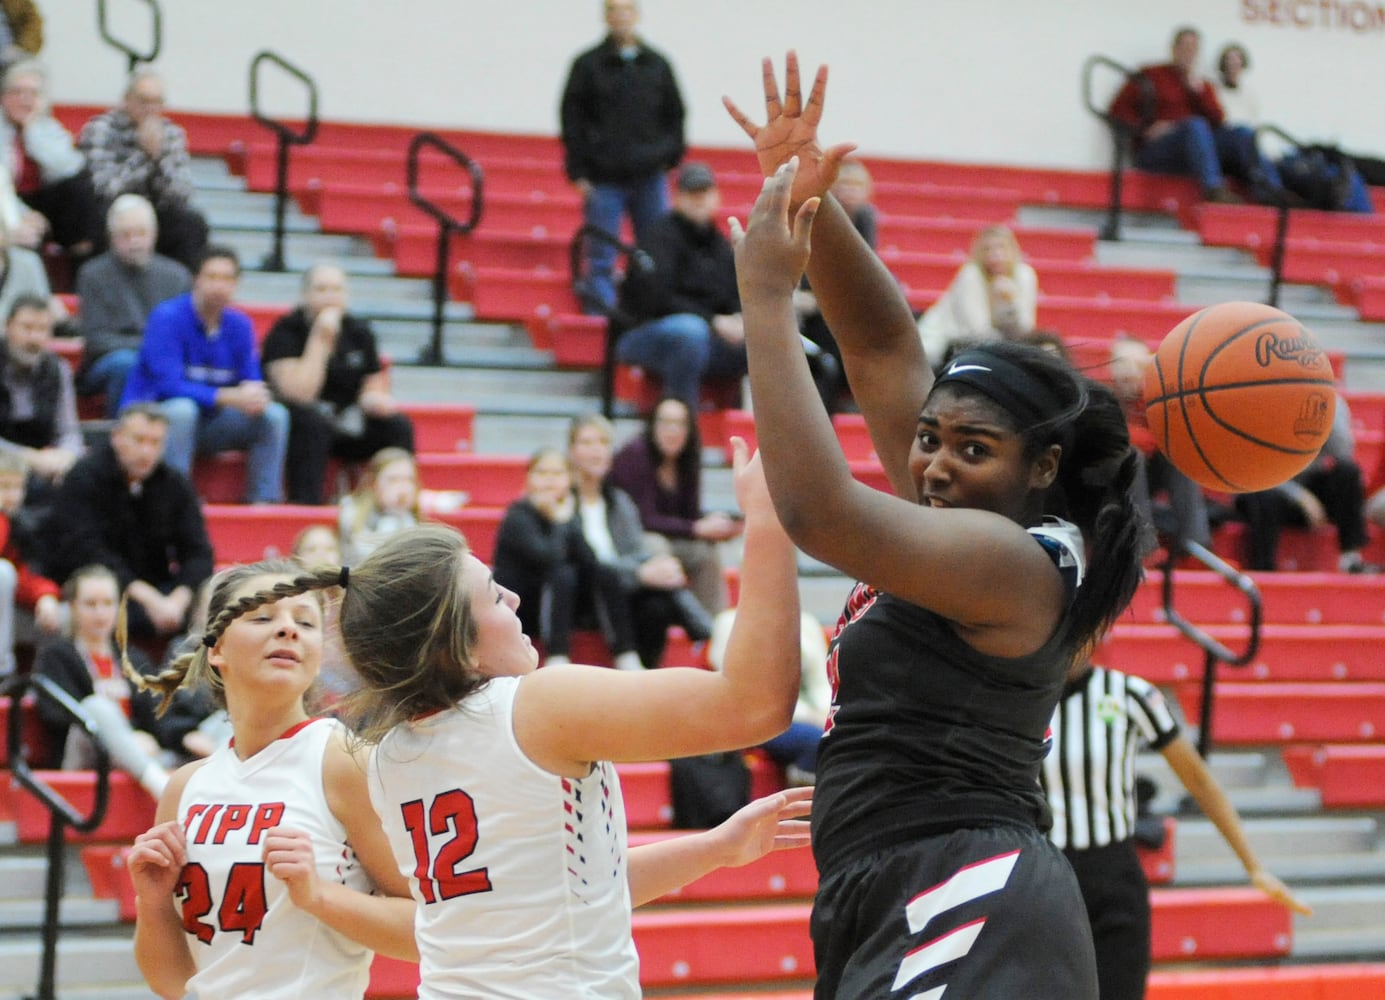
point(1314, 417)
point(1303, 349)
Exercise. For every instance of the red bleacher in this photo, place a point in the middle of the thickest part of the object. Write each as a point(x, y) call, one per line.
point(1348, 776)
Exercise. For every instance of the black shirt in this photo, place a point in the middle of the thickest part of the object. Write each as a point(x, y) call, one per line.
point(354, 358)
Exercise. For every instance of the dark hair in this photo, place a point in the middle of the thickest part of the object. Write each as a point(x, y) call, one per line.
point(216, 251)
point(1227, 49)
point(149, 411)
point(27, 301)
point(689, 460)
point(1093, 487)
point(91, 571)
point(193, 668)
point(1186, 29)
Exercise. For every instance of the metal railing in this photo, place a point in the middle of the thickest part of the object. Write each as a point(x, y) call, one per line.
point(1122, 135)
point(287, 138)
point(135, 56)
point(448, 225)
point(1214, 652)
point(1281, 226)
point(635, 259)
point(62, 815)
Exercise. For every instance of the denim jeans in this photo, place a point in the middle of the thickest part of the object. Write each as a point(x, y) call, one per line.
point(644, 200)
point(1194, 147)
point(264, 438)
point(107, 375)
point(681, 349)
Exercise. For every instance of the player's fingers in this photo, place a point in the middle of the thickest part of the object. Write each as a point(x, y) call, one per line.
point(739, 117)
point(793, 97)
point(803, 221)
point(773, 108)
point(812, 114)
point(740, 453)
point(737, 233)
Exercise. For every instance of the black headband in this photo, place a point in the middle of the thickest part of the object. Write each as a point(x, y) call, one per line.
point(1019, 393)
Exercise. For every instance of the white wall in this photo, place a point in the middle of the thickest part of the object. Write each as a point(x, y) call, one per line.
point(971, 80)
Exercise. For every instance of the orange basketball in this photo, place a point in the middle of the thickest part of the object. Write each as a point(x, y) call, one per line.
point(1240, 397)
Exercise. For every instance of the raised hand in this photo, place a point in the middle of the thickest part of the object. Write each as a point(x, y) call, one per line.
point(773, 823)
point(791, 129)
point(771, 253)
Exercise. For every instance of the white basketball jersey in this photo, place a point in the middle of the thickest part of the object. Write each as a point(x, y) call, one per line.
point(519, 874)
point(246, 936)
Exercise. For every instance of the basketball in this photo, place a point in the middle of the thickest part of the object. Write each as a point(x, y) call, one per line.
point(1240, 397)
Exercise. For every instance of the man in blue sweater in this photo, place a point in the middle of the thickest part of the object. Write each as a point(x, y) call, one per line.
point(199, 362)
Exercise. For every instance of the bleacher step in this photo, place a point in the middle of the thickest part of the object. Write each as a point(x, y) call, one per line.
point(1348, 921)
point(86, 959)
point(257, 218)
point(24, 914)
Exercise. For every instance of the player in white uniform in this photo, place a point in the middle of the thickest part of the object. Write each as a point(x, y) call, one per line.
point(492, 779)
point(255, 881)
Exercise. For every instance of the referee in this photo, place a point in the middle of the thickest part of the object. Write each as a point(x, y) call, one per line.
point(1089, 777)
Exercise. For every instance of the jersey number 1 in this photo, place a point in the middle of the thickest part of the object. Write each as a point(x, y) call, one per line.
point(438, 877)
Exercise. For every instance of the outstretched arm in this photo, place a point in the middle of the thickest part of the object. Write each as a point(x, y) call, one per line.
point(772, 823)
point(1197, 778)
point(859, 298)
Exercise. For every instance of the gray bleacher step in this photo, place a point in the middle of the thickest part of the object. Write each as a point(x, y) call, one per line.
point(481, 356)
point(16, 914)
point(1199, 842)
point(1294, 869)
point(507, 390)
point(285, 286)
point(114, 991)
point(1066, 217)
point(1170, 251)
point(259, 218)
point(1232, 769)
point(87, 959)
point(1249, 286)
point(24, 874)
point(9, 833)
point(402, 338)
point(212, 173)
point(1348, 921)
point(522, 434)
point(303, 250)
point(223, 201)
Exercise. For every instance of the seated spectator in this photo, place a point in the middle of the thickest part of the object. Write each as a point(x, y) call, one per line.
point(124, 507)
point(653, 587)
point(661, 469)
point(322, 364)
point(541, 555)
point(1179, 127)
point(134, 149)
point(86, 666)
point(22, 587)
point(994, 296)
point(38, 406)
point(118, 290)
point(21, 31)
point(684, 308)
point(385, 501)
point(22, 273)
point(1184, 517)
point(795, 749)
point(194, 725)
point(1329, 491)
point(1242, 107)
point(199, 362)
point(853, 190)
point(319, 545)
point(49, 174)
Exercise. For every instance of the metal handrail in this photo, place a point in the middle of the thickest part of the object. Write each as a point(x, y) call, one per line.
point(635, 258)
point(287, 137)
point(1281, 227)
point(448, 225)
point(1121, 133)
point(1214, 652)
point(62, 815)
point(133, 55)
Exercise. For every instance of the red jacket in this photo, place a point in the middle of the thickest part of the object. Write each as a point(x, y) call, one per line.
point(1173, 100)
point(31, 586)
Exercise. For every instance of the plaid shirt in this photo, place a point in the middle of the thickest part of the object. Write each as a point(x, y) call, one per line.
point(119, 166)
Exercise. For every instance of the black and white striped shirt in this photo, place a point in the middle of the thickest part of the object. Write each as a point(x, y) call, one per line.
point(1089, 774)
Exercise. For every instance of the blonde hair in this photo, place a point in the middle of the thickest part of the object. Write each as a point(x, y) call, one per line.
point(364, 493)
point(1006, 236)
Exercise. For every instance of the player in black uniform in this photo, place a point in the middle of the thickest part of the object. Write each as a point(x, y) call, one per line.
point(928, 817)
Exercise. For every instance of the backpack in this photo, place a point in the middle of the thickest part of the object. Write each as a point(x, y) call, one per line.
point(706, 790)
point(1322, 176)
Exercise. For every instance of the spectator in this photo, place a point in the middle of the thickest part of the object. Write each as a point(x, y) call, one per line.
point(1180, 128)
point(21, 31)
point(117, 291)
point(685, 307)
point(1089, 778)
point(1242, 107)
point(1329, 491)
point(662, 471)
point(199, 363)
point(21, 586)
point(541, 555)
point(319, 545)
point(385, 501)
point(84, 664)
point(622, 129)
point(134, 149)
point(124, 507)
point(49, 174)
point(38, 407)
point(194, 724)
point(994, 296)
point(22, 273)
point(1184, 517)
point(653, 584)
point(323, 365)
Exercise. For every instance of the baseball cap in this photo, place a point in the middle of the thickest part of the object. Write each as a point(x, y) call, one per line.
point(694, 177)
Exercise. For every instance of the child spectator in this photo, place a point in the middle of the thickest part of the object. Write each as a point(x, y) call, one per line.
point(85, 665)
point(20, 585)
point(994, 296)
point(318, 545)
point(386, 501)
point(541, 555)
point(194, 724)
point(661, 469)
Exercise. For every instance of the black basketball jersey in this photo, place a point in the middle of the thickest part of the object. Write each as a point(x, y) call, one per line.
point(926, 734)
